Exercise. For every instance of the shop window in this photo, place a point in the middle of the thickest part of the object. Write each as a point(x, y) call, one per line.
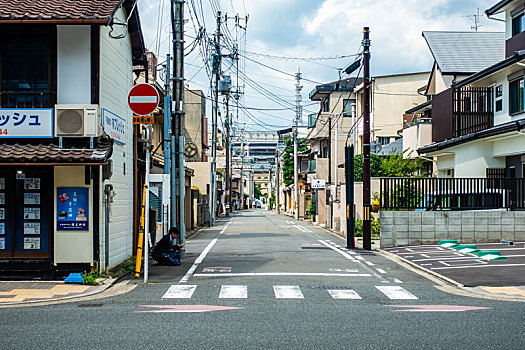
point(516, 96)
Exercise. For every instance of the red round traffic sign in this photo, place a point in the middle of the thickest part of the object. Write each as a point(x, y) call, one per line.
point(143, 99)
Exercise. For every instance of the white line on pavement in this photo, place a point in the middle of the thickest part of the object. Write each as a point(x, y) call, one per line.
point(344, 294)
point(233, 292)
point(201, 257)
point(180, 292)
point(288, 292)
point(258, 274)
point(474, 266)
point(381, 271)
point(370, 263)
point(396, 293)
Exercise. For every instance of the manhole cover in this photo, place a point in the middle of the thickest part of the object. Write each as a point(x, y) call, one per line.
point(330, 287)
point(90, 305)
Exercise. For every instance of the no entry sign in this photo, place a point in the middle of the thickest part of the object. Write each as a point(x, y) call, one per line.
point(143, 99)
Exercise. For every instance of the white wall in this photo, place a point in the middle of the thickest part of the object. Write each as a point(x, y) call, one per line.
point(473, 158)
point(416, 136)
point(74, 64)
point(115, 82)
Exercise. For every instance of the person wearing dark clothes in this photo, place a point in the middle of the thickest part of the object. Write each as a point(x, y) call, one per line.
point(166, 252)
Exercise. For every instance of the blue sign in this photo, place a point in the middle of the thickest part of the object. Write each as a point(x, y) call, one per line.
point(26, 123)
point(72, 209)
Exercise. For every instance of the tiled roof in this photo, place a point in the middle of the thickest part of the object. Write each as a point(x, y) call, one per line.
point(87, 10)
point(465, 52)
point(70, 153)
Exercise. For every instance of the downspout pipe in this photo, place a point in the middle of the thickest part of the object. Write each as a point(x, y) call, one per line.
point(108, 188)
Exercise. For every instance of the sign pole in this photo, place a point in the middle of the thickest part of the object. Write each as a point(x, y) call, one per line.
point(146, 208)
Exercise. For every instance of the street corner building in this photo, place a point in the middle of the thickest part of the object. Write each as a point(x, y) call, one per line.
point(66, 134)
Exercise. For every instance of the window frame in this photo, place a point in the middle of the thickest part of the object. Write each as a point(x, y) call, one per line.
point(511, 95)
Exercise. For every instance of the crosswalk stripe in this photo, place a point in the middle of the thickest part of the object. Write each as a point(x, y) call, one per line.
point(233, 292)
point(180, 292)
point(288, 292)
point(344, 294)
point(396, 293)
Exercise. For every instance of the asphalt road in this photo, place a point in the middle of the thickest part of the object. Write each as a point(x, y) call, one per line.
point(262, 281)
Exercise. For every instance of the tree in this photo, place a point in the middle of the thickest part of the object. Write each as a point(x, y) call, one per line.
point(393, 165)
point(375, 166)
point(288, 161)
point(257, 191)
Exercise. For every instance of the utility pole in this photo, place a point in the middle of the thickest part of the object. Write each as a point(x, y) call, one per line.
point(277, 182)
point(367, 225)
point(178, 126)
point(167, 118)
point(227, 178)
point(216, 66)
point(241, 186)
point(350, 207)
point(330, 168)
point(298, 118)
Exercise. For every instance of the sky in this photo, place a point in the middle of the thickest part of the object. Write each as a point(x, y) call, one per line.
point(287, 34)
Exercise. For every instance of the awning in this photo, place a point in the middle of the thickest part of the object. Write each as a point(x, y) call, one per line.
point(72, 152)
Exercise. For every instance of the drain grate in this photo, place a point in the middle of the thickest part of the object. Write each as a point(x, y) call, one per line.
point(90, 305)
point(330, 287)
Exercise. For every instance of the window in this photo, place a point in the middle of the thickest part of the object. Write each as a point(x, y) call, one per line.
point(27, 66)
point(498, 92)
point(325, 105)
point(518, 24)
point(383, 140)
point(347, 107)
point(516, 96)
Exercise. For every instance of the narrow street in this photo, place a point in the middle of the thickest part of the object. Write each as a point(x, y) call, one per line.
point(261, 280)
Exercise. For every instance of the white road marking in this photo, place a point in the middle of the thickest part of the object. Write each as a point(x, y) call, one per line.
point(233, 292)
point(359, 257)
point(474, 266)
point(381, 271)
point(445, 258)
point(370, 263)
point(344, 294)
point(259, 274)
point(288, 292)
point(425, 255)
point(178, 291)
point(396, 280)
point(201, 257)
point(396, 293)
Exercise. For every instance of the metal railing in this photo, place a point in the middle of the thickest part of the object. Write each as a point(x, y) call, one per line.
point(472, 110)
point(451, 194)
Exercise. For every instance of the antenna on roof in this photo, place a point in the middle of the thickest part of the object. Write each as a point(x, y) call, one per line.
point(476, 19)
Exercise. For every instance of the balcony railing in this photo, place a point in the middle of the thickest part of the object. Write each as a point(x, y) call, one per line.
point(472, 110)
point(26, 99)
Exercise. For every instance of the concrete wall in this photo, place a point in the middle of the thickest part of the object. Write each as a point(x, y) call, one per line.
point(399, 228)
point(416, 136)
point(201, 175)
point(195, 108)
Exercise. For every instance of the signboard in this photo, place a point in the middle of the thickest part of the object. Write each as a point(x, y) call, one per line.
point(26, 123)
point(318, 184)
point(32, 213)
point(143, 99)
point(31, 243)
point(114, 126)
point(72, 209)
point(139, 119)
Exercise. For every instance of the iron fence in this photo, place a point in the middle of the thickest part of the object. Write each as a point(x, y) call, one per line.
point(451, 194)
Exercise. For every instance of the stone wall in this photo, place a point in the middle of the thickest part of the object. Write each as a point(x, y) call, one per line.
point(399, 228)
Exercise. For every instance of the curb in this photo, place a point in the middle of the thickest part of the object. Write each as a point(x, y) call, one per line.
point(108, 283)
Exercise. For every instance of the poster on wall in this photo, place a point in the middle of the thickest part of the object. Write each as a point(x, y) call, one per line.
point(32, 213)
point(2, 198)
point(32, 183)
point(31, 228)
point(2, 214)
point(31, 243)
point(2, 243)
point(72, 209)
point(2, 183)
point(2, 228)
point(31, 198)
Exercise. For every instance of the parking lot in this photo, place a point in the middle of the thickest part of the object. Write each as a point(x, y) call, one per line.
point(467, 267)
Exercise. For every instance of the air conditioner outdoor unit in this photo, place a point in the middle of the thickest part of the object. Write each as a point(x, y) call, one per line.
point(77, 120)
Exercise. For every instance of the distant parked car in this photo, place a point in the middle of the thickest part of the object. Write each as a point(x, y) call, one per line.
point(258, 205)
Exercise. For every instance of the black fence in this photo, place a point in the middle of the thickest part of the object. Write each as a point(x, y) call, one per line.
point(451, 194)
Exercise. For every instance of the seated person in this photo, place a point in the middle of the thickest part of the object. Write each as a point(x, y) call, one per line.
point(166, 252)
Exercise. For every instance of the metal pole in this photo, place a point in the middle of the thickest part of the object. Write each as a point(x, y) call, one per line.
point(146, 206)
point(215, 103)
point(241, 186)
point(298, 117)
point(167, 118)
point(277, 182)
point(228, 156)
point(367, 225)
point(330, 169)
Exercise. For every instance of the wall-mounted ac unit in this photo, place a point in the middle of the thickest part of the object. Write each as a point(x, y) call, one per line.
point(77, 120)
